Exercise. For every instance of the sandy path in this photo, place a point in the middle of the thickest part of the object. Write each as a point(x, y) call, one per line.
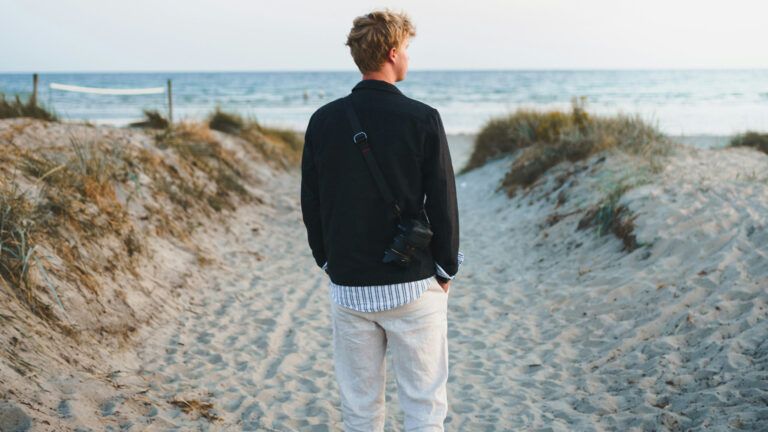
point(545, 335)
point(258, 344)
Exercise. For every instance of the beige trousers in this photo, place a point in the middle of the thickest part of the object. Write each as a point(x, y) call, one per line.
point(417, 336)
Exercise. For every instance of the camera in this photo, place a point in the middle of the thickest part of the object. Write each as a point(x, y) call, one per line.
point(414, 234)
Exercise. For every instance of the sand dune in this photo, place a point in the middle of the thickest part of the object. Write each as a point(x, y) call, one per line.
point(550, 328)
point(585, 337)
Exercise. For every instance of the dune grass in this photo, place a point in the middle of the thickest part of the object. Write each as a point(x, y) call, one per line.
point(226, 122)
point(77, 203)
point(195, 144)
point(84, 174)
point(76, 222)
point(610, 216)
point(756, 140)
point(152, 120)
point(71, 200)
point(19, 256)
point(16, 245)
point(546, 139)
point(71, 203)
point(16, 108)
point(504, 135)
point(279, 146)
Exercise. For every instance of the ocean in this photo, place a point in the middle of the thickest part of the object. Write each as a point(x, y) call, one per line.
point(679, 102)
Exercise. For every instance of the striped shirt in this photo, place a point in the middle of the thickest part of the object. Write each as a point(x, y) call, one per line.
point(376, 298)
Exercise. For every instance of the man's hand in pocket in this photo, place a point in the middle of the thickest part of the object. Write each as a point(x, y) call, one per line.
point(445, 286)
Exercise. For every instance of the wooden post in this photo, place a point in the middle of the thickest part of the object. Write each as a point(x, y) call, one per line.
point(33, 100)
point(170, 103)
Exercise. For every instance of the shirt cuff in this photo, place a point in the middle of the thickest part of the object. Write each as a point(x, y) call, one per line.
point(443, 274)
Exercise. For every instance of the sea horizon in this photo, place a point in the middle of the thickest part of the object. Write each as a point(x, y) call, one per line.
point(410, 70)
point(680, 101)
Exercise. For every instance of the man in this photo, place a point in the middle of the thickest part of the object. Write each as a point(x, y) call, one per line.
point(375, 305)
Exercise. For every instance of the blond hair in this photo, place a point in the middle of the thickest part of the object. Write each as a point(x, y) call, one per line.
point(374, 34)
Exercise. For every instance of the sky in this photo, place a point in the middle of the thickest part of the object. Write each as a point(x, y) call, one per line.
point(276, 35)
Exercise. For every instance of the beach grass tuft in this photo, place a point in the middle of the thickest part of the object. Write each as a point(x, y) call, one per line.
point(16, 108)
point(226, 122)
point(16, 248)
point(610, 216)
point(505, 135)
point(85, 174)
point(280, 146)
point(756, 140)
point(152, 120)
point(195, 144)
point(76, 199)
point(189, 406)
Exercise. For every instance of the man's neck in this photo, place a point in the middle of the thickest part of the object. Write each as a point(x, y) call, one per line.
point(381, 75)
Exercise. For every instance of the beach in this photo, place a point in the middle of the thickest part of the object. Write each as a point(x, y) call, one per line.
point(550, 327)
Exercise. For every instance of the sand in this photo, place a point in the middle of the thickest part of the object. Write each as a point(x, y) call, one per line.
point(550, 328)
point(585, 337)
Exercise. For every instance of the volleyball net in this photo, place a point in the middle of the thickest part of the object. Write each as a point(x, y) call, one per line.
point(119, 92)
point(108, 91)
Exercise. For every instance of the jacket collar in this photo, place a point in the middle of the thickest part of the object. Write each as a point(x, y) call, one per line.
point(377, 85)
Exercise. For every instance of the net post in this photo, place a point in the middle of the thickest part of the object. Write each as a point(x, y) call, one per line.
point(35, 78)
point(170, 103)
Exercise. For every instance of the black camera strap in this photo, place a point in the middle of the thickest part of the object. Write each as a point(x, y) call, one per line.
point(360, 139)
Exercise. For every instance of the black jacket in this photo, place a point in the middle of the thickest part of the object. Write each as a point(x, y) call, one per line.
point(348, 223)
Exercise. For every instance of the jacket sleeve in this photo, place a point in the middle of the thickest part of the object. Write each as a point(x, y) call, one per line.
point(440, 188)
point(310, 199)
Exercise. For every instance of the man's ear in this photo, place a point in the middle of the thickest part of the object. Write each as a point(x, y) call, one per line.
point(392, 53)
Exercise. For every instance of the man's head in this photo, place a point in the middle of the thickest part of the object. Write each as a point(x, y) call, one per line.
point(378, 42)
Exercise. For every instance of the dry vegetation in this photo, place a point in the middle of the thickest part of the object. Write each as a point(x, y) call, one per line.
point(97, 232)
point(16, 108)
point(60, 203)
point(281, 146)
point(194, 144)
point(68, 201)
point(68, 206)
point(543, 140)
point(203, 409)
point(16, 249)
point(100, 230)
point(152, 119)
point(609, 216)
point(756, 140)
